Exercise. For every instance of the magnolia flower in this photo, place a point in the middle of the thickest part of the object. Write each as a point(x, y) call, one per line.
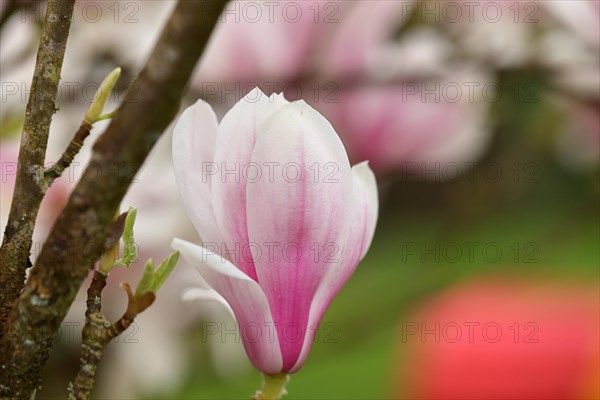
point(403, 129)
point(335, 38)
point(283, 218)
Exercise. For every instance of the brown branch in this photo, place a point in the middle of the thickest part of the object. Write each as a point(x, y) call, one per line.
point(92, 339)
point(67, 157)
point(30, 185)
point(85, 221)
point(98, 332)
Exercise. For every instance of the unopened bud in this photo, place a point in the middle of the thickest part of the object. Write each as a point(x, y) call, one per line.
point(102, 94)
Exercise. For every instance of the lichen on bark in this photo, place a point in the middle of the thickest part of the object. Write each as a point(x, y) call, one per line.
point(30, 185)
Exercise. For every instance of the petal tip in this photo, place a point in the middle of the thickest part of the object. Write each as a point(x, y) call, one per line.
point(254, 95)
point(364, 171)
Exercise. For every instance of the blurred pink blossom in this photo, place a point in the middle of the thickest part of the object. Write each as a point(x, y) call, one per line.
point(402, 123)
point(55, 199)
point(354, 53)
point(334, 38)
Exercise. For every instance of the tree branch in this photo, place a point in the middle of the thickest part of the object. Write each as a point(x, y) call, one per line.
point(30, 185)
point(98, 332)
point(76, 238)
point(67, 157)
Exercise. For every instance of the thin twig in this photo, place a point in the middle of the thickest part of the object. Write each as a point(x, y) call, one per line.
point(65, 160)
point(98, 332)
point(75, 240)
point(30, 184)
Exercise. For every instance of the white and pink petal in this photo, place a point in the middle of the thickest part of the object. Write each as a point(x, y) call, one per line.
point(247, 300)
point(298, 215)
point(194, 138)
point(361, 231)
point(233, 155)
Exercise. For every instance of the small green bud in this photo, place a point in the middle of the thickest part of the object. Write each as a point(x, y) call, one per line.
point(146, 280)
point(129, 247)
point(152, 279)
point(163, 271)
point(102, 94)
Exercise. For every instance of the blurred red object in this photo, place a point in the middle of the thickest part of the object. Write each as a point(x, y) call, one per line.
point(503, 339)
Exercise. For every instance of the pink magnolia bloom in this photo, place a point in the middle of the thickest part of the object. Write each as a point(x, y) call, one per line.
point(394, 126)
point(337, 38)
point(284, 223)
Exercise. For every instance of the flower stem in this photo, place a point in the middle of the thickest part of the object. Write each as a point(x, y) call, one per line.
point(273, 387)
